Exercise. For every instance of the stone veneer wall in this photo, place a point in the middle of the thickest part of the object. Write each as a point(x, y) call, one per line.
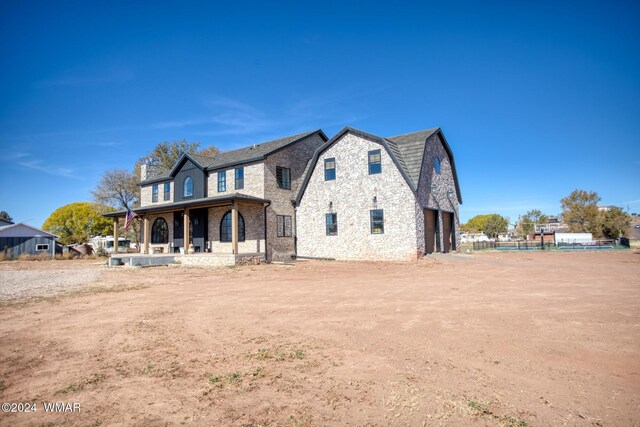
point(166, 248)
point(352, 195)
point(438, 198)
point(253, 224)
point(253, 181)
point(294, 157)
point(146, 193)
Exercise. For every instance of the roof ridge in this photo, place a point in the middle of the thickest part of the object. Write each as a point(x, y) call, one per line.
point(432, 130)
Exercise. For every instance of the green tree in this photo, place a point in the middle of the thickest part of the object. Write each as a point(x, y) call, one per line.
point(495, 225)
point(78, 222)
point(580, 212)
point(475, 224)
point(528, 221)
point(614, 222)
point(5, 216)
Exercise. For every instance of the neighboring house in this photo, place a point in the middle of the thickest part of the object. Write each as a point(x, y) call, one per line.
point(369, 197)
point(356, 196)
point(20, 238)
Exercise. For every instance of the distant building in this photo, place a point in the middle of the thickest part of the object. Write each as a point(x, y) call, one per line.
point(18, 239)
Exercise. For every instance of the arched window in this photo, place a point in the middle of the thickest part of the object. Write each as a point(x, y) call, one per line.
point(436, 164)
point(225, 228)
point(188, 187)
point(160, 231)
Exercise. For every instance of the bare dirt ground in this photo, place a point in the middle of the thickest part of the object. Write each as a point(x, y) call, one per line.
point(490, 339)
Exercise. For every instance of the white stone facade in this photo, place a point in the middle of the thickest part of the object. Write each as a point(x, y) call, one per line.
point(253, 216)
point(351, 197)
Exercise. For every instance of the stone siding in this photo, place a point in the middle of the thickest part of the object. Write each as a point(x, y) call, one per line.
point(351, 195)
point(146, 195)
point(437, 198)
point(254, 229)
point(253, 181)
point(294, 157)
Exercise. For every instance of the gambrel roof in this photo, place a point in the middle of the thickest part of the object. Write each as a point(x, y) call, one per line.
point(240, 156)
point(406, 151)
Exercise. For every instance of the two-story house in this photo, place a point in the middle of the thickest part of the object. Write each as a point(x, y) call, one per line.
point(356, 196)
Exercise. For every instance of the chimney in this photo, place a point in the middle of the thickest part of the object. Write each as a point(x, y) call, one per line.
point(143, 172)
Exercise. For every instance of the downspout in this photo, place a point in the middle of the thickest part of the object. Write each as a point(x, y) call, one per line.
point(266, 256)
point(295, 229)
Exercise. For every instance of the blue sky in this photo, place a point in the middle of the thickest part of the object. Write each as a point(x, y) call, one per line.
point(535, 99)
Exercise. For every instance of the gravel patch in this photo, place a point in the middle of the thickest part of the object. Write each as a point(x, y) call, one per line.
point(22, 284)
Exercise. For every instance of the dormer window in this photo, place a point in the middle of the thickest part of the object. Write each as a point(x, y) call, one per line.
point(188, 187)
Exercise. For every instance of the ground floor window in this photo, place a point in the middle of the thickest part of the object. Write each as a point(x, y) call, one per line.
point(160, 231)
point(226, 230)
point(331, 224)
point(42, 247)
point(377, 221)
point(284, 226)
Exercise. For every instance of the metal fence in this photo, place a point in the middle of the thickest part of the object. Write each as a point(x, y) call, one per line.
point(536, 245)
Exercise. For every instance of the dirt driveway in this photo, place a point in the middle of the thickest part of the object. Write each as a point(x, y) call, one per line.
point(491, 339)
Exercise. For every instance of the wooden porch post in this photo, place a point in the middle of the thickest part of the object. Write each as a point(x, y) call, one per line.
point(115, 235)
point(145, 234)
point(234, 228)
point(186, 231)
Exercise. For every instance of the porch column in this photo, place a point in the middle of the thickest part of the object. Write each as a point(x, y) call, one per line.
point(145, 234)
point(186, 231)
point(115, 235)
point(234, 228)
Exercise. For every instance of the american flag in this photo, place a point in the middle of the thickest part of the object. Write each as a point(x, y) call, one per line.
point(131, 215)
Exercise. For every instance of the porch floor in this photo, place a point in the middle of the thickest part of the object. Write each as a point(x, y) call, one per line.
point(204, 259)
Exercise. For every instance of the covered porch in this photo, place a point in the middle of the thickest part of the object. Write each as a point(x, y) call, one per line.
point(228, 226)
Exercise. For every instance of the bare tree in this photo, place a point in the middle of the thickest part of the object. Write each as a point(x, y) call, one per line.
point(117, 188)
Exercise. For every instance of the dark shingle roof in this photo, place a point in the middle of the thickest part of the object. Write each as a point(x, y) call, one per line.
point(236, 157)
point(411, 148)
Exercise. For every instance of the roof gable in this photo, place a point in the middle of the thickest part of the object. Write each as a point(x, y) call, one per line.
point(390, 146)
point(406, 151)
point(23, 230)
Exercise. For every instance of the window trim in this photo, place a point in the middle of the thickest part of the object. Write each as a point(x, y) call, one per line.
point(286, 185)
point(437, 165)
point(167, 191)
point(283, 231)
point(241, 227)
point(379, 163)
point(154, 193)
point(334, 218)
point(222, 183)
point(330, 159)
point(40, 248)
point(165, 238)
point(372, 222)
point(238, 180)
point(184, 187)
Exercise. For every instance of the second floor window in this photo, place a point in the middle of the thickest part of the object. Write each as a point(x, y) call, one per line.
point(154, 193)
point(167, 191)
point(188, 187)
point(436, 164)
point(375, 162)
point(332, 224)
point(283, 175)
point(330, 169)
point(222, 181)
point(239, 178)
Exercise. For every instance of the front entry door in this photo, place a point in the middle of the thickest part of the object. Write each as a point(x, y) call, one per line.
point(198, 229)
point(178, 231)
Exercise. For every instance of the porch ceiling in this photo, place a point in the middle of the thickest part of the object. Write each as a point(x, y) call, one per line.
point(197, 203)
